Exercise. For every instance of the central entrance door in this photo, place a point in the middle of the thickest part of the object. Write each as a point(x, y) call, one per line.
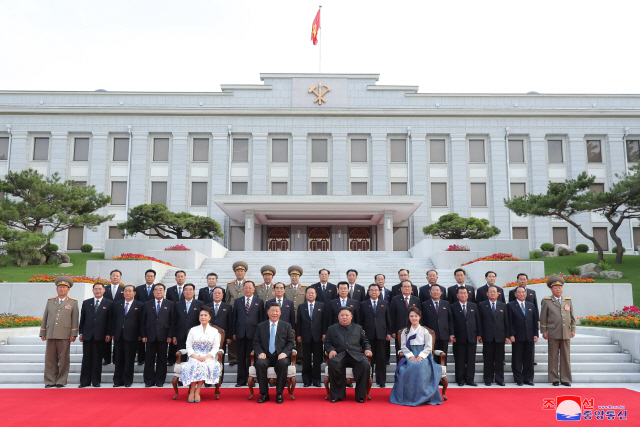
point(359, 238)
point(319, 239)
point(278, 238)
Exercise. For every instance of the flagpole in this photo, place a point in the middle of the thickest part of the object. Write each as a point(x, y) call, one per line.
point(320, 47)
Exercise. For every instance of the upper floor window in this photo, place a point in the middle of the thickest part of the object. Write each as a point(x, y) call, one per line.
point(516, 151)
point(437, 151)
point(41, 149)
point(358, 150)
point(554, 148)
point(594, 151)
point(240, 150)
point(81, 150)
point(160, 149)
point(476, 151)
point(633, 151)
point(200, 149)
point(120, 149)
point(398, 151)
point(280, 150)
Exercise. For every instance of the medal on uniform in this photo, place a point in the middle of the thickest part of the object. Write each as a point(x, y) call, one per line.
point(67, 307)
point(567, 308)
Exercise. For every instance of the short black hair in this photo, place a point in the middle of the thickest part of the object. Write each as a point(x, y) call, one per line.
point(310, 287)
point(180, 271)
point(216, 288)
point(522, 274)
point(250, 281)
point(323, 269)
point(493, 286)
point(99, 283)
point(345, 308)
point(379, 274)
point(403, 269)
point(273, 304)
point(521, 287)
point(342, 283)
point(158, 284)
point(459, 269)
point(489, 272)
point(151, 270)
point(115, 271)
point(461, 288)
point(212, 274)
point(127, 286)
point(279, 283)
point(350, 270)
point(373, 285)
point(190, 284)
point(407, 280)
point(428, 271)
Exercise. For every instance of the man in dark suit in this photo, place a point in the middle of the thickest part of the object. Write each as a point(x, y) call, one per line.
point(143, 294)
point(495, 334)
point(356, 292)
point(272, 344)
point(523, 331)
point(287, 311)
point(186, 315)
point(222, 318)
point(95, 330)
point(127, 319)
point(467, 329)
point(325, 291)
point(452, 292)
point(156, 330)
point(385, 295)
point(376, 323)
point(248, 312)
point(481, 293)
point(400, 305)
point(425, 291)
point(403, 274)
point(523, 280)
point(311, 329)
point(206, 294)
point(345, 343)
point(113, 292)
point(343, 300)
point(436, 315)
point(175, 293)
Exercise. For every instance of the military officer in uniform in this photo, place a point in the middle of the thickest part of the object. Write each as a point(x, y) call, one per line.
point(59, 329)
point(297, 293)
point(265, 290)
point(558, 326)
point(234, 290)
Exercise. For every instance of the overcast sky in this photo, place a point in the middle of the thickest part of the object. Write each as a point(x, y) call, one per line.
point(510, 46)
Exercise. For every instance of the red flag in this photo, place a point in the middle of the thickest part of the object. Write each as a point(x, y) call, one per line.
point(315, 27)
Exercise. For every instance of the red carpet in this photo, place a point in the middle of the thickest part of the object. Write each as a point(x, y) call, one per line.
point(140, 407)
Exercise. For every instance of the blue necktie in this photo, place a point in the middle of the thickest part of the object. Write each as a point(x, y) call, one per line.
point(126, 308)
point(374, 307)
point(148, 290)
point(311, 312)
point(188, 305)
point(158, 308)
point(272, 339)
point(522, 307)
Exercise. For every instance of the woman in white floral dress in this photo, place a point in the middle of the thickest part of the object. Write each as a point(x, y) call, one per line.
point(203, 343)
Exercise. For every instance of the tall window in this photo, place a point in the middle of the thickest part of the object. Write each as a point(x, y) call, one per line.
point(555, 151)
point(633, 151)
point(159, 192)
point(476, 151)
point(118, 192)
point(41, 149)
point(114, 233)
point(240, 150)
point(160, 149)
point(280, 150)
point(594, 151)
point(81, 150)
point(75, 237)
point(319, 151)
point(120, 149)
point(516, 151)
point(4, 148)
point(437, 152)
point(398, 151)
point(601, 236)
point(200, 149)
point(358, 150)
point(438, 194)
point(479, 194)
point(198, 194)
point(560, 236)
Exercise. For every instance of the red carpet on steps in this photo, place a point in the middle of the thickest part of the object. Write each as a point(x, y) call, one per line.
point(155, 407)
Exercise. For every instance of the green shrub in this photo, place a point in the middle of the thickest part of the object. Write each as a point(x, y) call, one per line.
point(86, 248)
point(51, 248)
point(54, 262)
point(582, 248)
point(548, 247)
point(534, 254)
point(574, 271)
point(615, 250)
point(605, 266)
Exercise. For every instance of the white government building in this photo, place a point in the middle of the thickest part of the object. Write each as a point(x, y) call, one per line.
point(324, 161)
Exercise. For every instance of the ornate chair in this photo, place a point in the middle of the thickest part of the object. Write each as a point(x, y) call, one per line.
point(444, 382)
point(177, 368)
point(271, 375)
point(349, 376)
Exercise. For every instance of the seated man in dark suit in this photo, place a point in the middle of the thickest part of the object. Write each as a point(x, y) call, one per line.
point(345, 343)
point(156, 331)
point(523, 334)
point(127, 318)
point(425, 291)
point(495, 334)
point(223, 318)
point(272, 344)
point(186, 315)
point(436, 315)
point(311, 329)
point(333, 306)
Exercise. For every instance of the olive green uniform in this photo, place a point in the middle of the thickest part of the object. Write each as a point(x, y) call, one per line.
point(557, 320)
point(59, 324)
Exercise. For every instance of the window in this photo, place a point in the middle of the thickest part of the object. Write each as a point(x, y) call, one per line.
point(160, 149)
point(319, 151)
point(239, 188)
point(279, 188)
point(516, 151)
point(280, 150)
point(438, 194)
point(79, 183)
point(555, 151)
point(597, 188)
point(198, 194)
point(633, 151)
point(601, 236)
point(114, 233)
point(159, 192)
point(479, 194)
point(81, 150)
point(400, 239)
point(398, 188)
point(4, 148)
point(236, 241)
point(120, 149)
point(518, 189)
point(359, 188)
point(319, 188)
point(75, 238)
point(437, 152)
point(560, 236)
point(476, 151)
point(398, 150)
point(358, 150)
point(240, 150)
point(119, 193)
point(594, 152)
point(41, 149)
point(636, 237)
point(200, 149)
point(521, 233)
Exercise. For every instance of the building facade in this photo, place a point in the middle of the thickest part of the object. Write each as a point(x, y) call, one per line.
point(325, 161)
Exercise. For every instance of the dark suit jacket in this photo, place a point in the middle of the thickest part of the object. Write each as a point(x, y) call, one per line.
point(311, 328)
point(109, 296)
point(397, 290)
point(494, 328)
point(332, 292)
point(333, 309)
point(284, 338)
point(441, 322)
point(481, 294)
point(96, 325)
point(466, 329)
point(400, 312)
point(359, 293)
point(224, 319)
point(531, 297)
point(378, 325)
point(141, 293)
point(522, 328)
point(127, 327)
point(184, 321)
point(386, 297)
point(452, 295)
point(203, 295)
point(244, 323)
point(172, 293)
point(426, 296)
point(287, 311)
point(157, 327)
point(351, 341)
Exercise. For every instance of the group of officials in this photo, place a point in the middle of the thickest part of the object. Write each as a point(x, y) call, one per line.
point(153, 322)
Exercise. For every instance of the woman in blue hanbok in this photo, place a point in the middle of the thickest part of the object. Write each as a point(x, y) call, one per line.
point(203, 343)
point(417, 375)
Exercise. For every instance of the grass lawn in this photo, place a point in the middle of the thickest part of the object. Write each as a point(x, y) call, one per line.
point(13, 273)
point(630, 268)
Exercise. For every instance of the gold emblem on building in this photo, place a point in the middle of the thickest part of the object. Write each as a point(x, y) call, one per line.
point(319, 93)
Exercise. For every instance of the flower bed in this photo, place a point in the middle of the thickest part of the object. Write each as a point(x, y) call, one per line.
point(495, 257)
point(9, 320)
point(628, 317)
point(180, 247)
point(139, 257)
point(567, 279)
point(77, 279)
point(457, 248)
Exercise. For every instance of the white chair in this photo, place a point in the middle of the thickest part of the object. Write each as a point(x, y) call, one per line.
point(271, 375)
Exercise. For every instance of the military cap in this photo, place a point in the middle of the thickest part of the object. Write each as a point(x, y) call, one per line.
point(240, 265)
point(295, 269)
point(268, 269)
point(64, 280)
point(555, 280)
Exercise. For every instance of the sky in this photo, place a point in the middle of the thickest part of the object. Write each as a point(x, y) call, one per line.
point(446, 46)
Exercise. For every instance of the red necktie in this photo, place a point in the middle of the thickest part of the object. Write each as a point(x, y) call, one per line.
point(406, 301)
point(247, 307)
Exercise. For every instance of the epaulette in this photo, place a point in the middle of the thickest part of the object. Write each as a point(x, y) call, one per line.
point(305, 286)
point(260, 285)
point(547, 298)
point(73, 299)
point(567, 297)
point(231, 281)
point(54, 298)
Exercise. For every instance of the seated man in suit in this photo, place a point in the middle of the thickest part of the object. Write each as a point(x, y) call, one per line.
point(495, 334)
point(287, 311)
point(345, 343)
point(311, 329)
point(127, 318)
point(272, 344)
point(436, 315)
point(425, 291)
point(342, 301)
point(223, 318)
point(523, 327)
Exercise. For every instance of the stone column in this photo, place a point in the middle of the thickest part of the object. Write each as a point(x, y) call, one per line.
point(379, 176)
point(538, 180)
point(259, 162)
point(498, 185)
point(179, 191)
point(458, 181)
point(99, 177)
point(20, 150)
point(139, 182)
point(299, 164)
point(339, 165)
point(59, 160)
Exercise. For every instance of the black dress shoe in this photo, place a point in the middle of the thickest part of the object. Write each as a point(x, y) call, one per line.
point(382, 385)
point(49, 385)
point(148, 385)
point(241, 385)
point(566, 384)
point(232, 363)
point(117, 385)
point(62, 385)
point(335, 400)
point(555, 383)
point(159, 384)
point(519, 384)
point(317, 384)
point(500, 384)
point(299, 362)
point(170, 364)
point(360, 400)
point(127, 385)
point(83, 386)
point(208, 385)
point(307, 385)
point(279, 398)
point(180, 383)
point(350, 385)
point(487, 384)
point(460, 384)
point(473, 384)
point(528, 382)
point(96, 385)
point(263, 398)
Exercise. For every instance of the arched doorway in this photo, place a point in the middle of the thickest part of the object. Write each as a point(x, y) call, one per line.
point(278, 239)
point(319, 239)
point(359, 239)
